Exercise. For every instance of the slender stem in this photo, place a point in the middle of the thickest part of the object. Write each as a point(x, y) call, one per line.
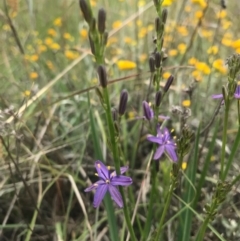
point(224, 139)
point(115, 152)
point(202, 231)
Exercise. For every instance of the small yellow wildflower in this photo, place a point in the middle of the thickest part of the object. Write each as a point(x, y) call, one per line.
point(126, 64)
point(141, 3)
point(172, 52)
point(150, 27)
point(213, 50)
point(201, 3)
point(50, 64)
point(184, 165)
point(167, 3)
point(218, 64)
point(131, 115)
point(197, 75)
point(182, 30)
point(139, 23)
point(33, 75)
point(143, 57)
point(186, 103)
point(188, 9)
point(226, 24)
point(221, 14)
point(213, 158)
point(27, 93)
point(116, 24)
point(207, 33)
point(6, 27)
point(203, 67)
point(112, 40)
point(55, 46)
point(166, 75)
point(182, 48)
point(192, 61)
point(52, 32)
point(238, 50)
point(42, 48)
point(57, 22)
point(48, 41)
point(34, 57)
point(142, 32)
point(67, 36)
point(71, 54)
point(198, 14)
point(94, 81)
point(236, 44)
point(93, 3)
point(83, 33)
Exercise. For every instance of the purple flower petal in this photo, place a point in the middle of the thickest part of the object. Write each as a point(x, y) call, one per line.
point(102, 170)
point(237, 92)
point(116, 196)
point(122, 170)
point(121, 181)
point(170, 149)
point(155, 139)
point(163, 117)
point(219, 96)
point(99, 195)
point(159, 152)
point(94, 186)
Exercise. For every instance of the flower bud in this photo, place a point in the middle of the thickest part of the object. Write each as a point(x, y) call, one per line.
point(105, 38)
point(157, 59)
point(148, 112)
point(86, 10)
point(92, 25)
point(92, 46)
point(164, 15)
point(158, 98)
point(101, 20)
point(168, 83)
point(151, 64)
point(102, 74)
point(157, 25)
point(123, 102)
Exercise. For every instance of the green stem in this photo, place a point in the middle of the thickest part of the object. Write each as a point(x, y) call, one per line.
point(224, 139)
point(115, 152)
point(202, 231)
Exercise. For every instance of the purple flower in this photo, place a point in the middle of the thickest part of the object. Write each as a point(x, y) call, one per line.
point(108, 182)
point(166, 144)
point(236, 94)
point(149, 114)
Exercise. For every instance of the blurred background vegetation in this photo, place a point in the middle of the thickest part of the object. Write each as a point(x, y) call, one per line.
point(46, 73)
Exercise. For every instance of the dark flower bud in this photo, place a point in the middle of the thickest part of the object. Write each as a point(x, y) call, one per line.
point(148, 112)
point(105, 38)
point(151, 64)
point(101, 20)
point(92, 46)
point(168, 83)
point(157, 25)
point(102, 74)
point(86, 10)
point(92, 25)
point(157, 59)
point(223, 4)
point(114, 114)
point(158, 98)
point(123, 102)
point(164, 15)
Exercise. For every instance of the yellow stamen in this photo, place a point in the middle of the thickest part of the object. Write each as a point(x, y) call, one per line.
point(96, 174)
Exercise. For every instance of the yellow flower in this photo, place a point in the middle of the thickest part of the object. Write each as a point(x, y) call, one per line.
point(141, 3)
point(213, 50)
point(55, 46)
point(218, 64)
point(182, 48)
point(48, 41)
point(227, 42)
point(226, 24)
point(197, 75)
point(50, 64)
point(131, 115)
point(172, 52)
point(182, 30)
point(166, 75)
point(83, 33)
point(52, 32)
point(71, 54)
point(221, 14)
point(184, 165)
point(150, 27)
point(236, 44)
point(188, 9)
point(167, 3)
point(27, 93)
point(34, 57)
point(207, 33)
point(203, 67)
point(139, 23)
point(6, 27)
point(33, 75)
point(192, 61)
point(126, 64)
point(42, 48)
point(186, 103)
point(238, 50)
point(112, 40)
point(143, 57)
point(57, 22)
point(142, 33)
point(198, 14)
point(67, 36)
point(93, 3)
point(201, 3)
point(116, 24)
